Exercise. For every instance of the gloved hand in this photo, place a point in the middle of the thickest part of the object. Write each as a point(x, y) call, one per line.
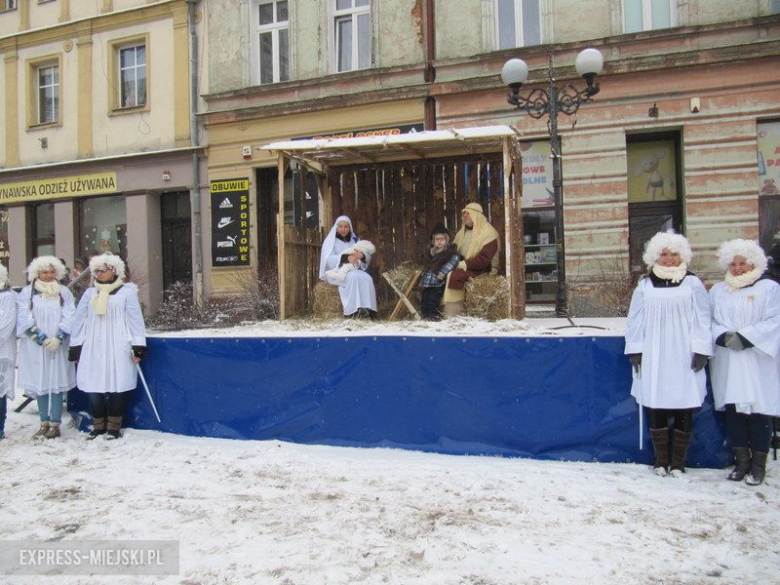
point(636, 362)
point(698, 362)
point(733, 341)
point(52, 344)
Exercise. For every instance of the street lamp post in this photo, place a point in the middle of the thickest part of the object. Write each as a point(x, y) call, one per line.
point(551, 101)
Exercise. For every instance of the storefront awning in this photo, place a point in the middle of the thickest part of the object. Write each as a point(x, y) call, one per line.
point(379, 149)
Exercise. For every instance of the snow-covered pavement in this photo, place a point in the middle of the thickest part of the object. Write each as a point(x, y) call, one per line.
point(248, 512)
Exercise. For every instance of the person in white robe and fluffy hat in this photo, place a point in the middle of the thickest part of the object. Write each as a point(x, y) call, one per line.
point(744, 370)
point(668, 342)
point(109, 339)
point(356, 288)
point(7, 346)
point(44, 317)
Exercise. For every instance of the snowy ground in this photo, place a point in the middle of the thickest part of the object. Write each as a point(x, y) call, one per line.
point(248, 512)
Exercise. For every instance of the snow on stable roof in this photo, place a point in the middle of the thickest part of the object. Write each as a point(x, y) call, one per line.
point(375, 149)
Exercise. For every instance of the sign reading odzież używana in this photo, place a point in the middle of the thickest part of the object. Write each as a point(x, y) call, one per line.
point(58, 188)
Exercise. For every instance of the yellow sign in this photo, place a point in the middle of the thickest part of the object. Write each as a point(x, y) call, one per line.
point(58, 188)
point(229, 185)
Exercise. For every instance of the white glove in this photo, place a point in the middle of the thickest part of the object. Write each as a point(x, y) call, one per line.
point(52, 344)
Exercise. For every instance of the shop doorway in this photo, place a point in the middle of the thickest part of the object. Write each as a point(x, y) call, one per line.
point(176, 238)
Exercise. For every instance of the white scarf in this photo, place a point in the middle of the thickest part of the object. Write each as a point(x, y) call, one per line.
point(734, 283)
point(100, 301)
point(48, 290)
point(673, 273)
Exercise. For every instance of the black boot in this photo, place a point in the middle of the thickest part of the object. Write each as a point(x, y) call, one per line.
point(660, 438)
point(680, 443)
point(98, 427)
point(741, 464)
point(757, 469)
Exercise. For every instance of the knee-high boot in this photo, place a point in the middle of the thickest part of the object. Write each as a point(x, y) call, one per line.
point(660, 438)
point(680, 443)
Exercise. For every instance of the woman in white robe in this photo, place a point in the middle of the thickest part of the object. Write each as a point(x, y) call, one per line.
point(357, 291)
point(109, 339)
point(7, 346)
point(744, 369)
point(668, 341)
point(44, 318)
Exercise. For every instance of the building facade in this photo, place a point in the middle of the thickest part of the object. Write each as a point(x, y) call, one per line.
point(99, 151)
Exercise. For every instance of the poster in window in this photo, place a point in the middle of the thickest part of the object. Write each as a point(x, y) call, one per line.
point(769, 158)
point(537, 175)
point(230, 222)
point(652, 173)
point(5, 254)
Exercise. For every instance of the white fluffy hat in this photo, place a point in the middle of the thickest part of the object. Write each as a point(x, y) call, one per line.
point(748, 249)
point(667, 241)
point(42, 263)
point(3, 275)
point(109, 260)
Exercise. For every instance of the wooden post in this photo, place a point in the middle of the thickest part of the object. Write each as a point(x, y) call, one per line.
point(280, 163)
point(513, 230)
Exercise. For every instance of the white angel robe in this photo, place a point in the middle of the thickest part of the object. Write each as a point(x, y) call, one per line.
point(357, 289)
point(748, 379)
point(7, 343)
point(106, 341)
point(40, 371)
point(667, 325)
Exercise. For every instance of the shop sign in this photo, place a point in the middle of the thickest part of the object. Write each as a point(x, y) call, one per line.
point(230, 222)
point(769, 158)
point(58, 188)
point(537, 175)
point(386, 131)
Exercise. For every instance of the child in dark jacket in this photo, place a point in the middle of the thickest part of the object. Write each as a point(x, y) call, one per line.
point(442, 259)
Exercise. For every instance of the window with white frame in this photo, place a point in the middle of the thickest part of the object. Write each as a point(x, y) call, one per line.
point(132, 76)
point(352, 29)
point(272, 35)
point(639, 15)
point(7, 5)
point(518, 23)
point(47, 93)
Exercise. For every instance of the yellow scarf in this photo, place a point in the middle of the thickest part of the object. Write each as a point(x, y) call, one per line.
point(100, 301)
point(48, 290)
point(470, 242)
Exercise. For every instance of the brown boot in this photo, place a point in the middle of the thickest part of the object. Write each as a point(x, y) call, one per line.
point(680, 443)
point(53, 431)
point(113, 427)
point(41, 432)
point(98, 428)
point(660, 438)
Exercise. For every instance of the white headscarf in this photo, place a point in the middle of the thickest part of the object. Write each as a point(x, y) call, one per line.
point(330, 241)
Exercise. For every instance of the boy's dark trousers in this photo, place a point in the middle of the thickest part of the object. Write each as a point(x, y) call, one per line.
point(429, 304)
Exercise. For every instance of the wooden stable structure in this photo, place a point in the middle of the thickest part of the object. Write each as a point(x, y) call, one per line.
point(395, 189)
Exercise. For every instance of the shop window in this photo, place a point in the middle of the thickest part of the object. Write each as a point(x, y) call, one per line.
point(4, 248)
point(352, 32)
point(103, 226)
point(518, 23)
point(654, 198)
point(768, 142)
point(43, 229)
point(272, 38)
point(541, 255)
point(639, 15)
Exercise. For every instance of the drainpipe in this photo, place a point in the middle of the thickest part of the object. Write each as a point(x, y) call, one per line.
point(430, 57)
point(197, 281)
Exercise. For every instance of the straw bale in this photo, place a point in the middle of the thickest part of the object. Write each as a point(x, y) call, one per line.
point(487, 297)
point(327, 302)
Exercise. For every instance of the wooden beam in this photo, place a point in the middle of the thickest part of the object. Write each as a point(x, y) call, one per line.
point(404, 296)
point(413, 150)
point(280, 162)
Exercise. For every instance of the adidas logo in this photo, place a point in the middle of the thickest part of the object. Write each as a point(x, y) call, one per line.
point(226, 204)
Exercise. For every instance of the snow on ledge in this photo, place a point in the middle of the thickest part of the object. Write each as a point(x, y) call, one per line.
point(457, 327)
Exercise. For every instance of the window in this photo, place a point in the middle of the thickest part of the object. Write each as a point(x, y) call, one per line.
point(47, 94)
point(132, 76)
point(654, 200)
point(518, 23)
point(43, 229)
point(768, 141)
point(352, 27)
point(272, 35)
point(103, 226)
point(7, 5)
point(639, 15)
point(5, 253)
